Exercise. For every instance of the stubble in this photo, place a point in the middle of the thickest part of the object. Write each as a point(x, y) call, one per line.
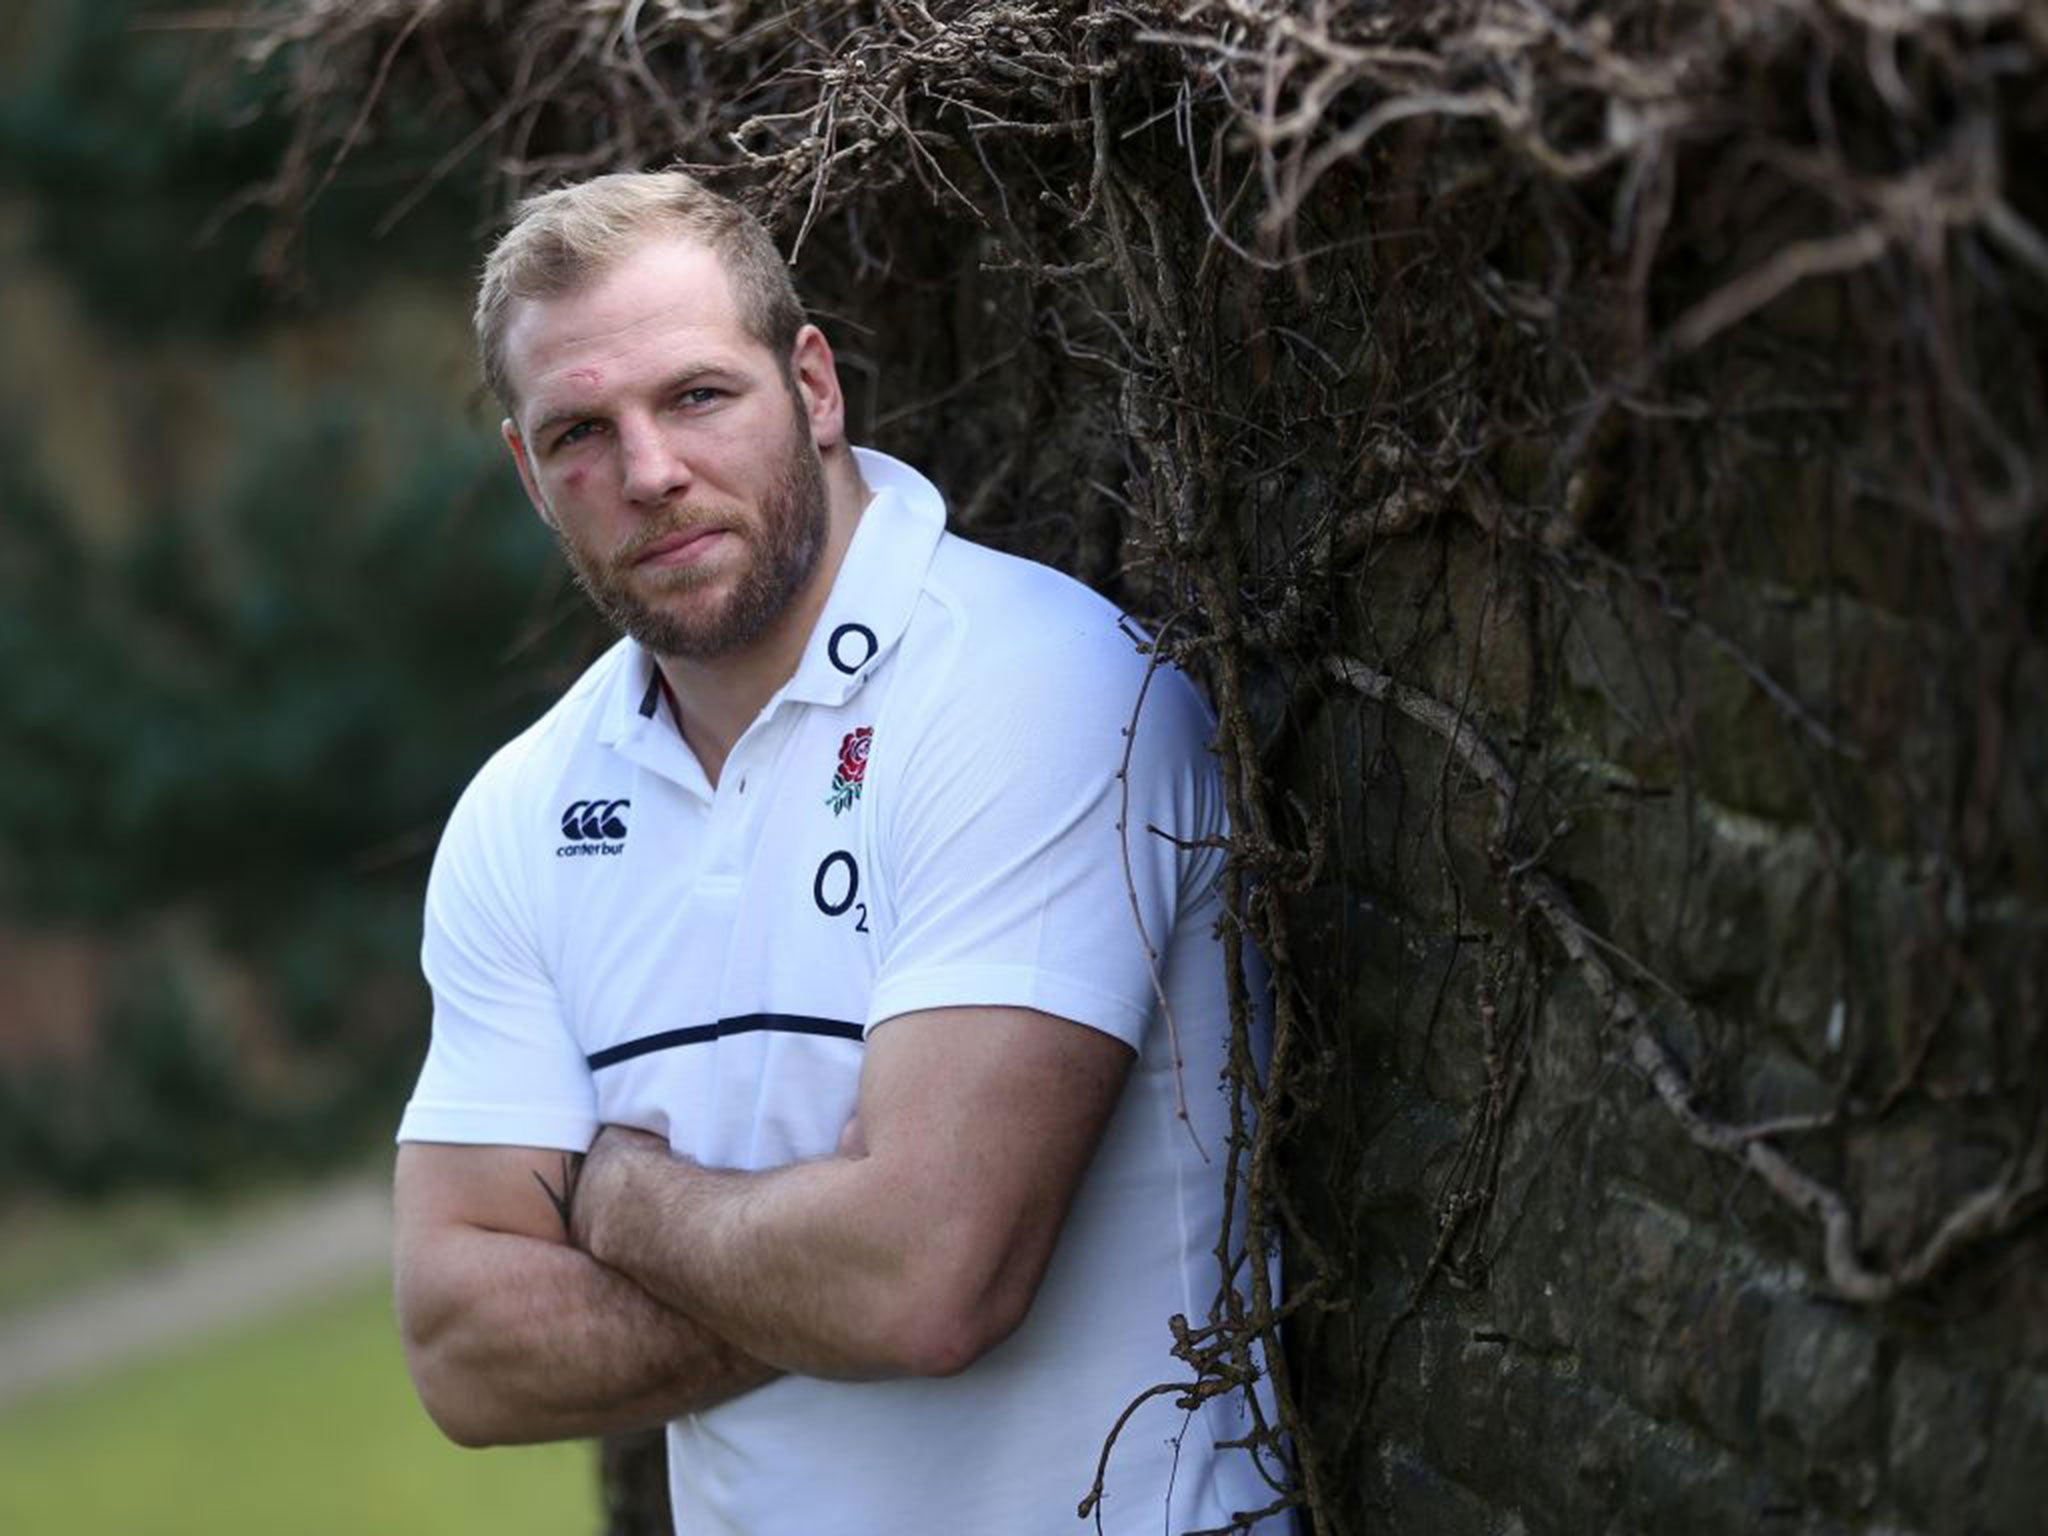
point(783, 547)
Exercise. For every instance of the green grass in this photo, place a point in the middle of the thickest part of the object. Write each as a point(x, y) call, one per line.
point(52, 1250)
point(302, 1426)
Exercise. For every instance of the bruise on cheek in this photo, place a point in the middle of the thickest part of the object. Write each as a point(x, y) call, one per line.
point(575, 477)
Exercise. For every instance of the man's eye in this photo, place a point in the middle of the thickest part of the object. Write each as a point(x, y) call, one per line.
point(702, 394)
point(575, 434)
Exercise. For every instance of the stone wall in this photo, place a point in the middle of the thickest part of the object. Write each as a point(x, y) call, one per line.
point(1631, 1330)
point(1576, 1309)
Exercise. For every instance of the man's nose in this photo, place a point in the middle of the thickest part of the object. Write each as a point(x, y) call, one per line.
point(653, 467)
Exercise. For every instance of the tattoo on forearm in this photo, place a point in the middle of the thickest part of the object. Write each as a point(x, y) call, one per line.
point(564, 1198)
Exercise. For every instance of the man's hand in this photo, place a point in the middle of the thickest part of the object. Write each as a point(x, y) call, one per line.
point(602, 1184)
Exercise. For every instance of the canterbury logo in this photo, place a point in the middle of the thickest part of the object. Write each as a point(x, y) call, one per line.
point(593, 821)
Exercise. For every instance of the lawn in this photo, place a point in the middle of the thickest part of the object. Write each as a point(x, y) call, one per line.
point(303, 1425)
point(50, 1249)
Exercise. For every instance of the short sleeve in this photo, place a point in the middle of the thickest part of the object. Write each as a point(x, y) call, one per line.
point(503, 1067)
point(1015, 872)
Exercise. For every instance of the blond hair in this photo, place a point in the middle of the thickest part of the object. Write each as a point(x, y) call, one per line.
point(563, 239)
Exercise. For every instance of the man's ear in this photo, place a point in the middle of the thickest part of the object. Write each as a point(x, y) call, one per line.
point(816, 375)
point(522, 462)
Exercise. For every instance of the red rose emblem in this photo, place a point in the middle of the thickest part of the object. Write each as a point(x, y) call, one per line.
point(853, 767)
point(853, 754)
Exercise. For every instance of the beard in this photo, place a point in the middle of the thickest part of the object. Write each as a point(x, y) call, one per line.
point(782, 549)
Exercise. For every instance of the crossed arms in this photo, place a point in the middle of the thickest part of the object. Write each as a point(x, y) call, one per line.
point(538, 1303)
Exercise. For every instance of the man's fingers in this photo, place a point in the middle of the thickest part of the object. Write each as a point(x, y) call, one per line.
point(627, 1138)
point(853, 1141)
point(604, 1176)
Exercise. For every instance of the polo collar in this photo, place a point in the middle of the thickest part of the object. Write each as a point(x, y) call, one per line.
point(872, 599)
point(636, 723)
point(878, 583)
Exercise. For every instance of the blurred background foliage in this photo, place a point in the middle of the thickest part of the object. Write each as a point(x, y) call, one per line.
point(148, 151)
point(267, 596)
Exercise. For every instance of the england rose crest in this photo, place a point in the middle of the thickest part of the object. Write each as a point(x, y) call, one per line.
point(853, 768)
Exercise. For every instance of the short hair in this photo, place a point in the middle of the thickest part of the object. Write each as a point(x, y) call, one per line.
point(563, 239)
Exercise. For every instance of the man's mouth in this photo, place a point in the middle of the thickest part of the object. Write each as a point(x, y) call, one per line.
point(684, 547)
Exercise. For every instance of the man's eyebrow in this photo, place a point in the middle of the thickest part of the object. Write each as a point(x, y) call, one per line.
point(556, 417)
point(682, 378)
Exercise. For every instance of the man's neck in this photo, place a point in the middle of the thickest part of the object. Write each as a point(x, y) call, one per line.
point(714, 701)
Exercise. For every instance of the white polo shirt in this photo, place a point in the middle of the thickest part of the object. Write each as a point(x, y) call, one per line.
point(926, 815)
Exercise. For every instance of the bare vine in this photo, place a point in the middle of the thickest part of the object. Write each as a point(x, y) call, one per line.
point(2014, 1196)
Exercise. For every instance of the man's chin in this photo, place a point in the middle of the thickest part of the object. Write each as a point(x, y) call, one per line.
point(666, 635)
point(698, 631)
point(689, 600)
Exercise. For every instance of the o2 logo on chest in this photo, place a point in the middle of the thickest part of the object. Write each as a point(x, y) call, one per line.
point(836, 888)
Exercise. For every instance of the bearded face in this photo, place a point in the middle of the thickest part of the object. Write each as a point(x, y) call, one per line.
point(674, 453)
point(700, 612)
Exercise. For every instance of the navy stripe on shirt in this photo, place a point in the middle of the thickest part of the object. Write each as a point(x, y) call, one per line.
point(741, 1024)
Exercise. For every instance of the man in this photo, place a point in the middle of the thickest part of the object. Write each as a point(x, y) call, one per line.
point(800, 1073)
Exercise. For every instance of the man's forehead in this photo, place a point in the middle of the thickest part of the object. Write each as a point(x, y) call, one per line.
point(664, 288)
point(660, 275)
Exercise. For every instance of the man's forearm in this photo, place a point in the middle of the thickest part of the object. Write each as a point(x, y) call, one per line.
point(693, 1237)
point(919, 1245)
point(514, 1338)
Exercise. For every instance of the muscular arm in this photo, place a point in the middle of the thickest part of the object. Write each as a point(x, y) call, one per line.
point(915, 1250)
point(512, 1335)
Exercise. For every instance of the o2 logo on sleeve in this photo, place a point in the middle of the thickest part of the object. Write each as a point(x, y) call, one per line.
point(836, 888)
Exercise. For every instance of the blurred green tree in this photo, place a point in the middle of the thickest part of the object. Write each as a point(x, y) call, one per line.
point(231, 737)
